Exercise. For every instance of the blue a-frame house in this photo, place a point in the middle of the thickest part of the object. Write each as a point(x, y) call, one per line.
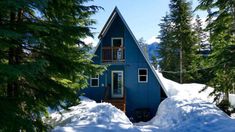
point(130, 82)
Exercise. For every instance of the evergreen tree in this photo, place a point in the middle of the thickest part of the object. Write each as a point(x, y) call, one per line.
point(182, 42)
point(144, 46)
point(43, 62)
point(201, 52)
point(202, 37)
point(181, 16)
point(167, 53)
point(222, 38)
point(154, 61)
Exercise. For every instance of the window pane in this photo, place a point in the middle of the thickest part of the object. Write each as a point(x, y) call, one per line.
point(94, 82)
point(95, 76)
point(117, 83)
point(143, 78)
point(117, 42)
point(142, 72)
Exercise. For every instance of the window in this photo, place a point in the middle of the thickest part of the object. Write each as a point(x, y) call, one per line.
point(142, 75)
point(117, 42)
point(117, 49)
point(94, 81)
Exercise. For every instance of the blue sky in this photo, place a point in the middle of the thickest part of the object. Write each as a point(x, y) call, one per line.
point(142, 16)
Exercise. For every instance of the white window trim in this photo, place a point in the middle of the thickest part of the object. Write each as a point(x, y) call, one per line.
point(122, 45)
point(94, 78)
point(117, 38)
point(143, 75)
point(116, 96)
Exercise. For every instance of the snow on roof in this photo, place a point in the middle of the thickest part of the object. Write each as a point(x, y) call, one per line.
point(187, 90)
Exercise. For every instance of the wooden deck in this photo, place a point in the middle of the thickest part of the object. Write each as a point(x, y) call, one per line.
point(119, 103)
point(113, 54)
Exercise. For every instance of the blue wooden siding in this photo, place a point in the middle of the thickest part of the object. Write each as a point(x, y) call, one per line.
point(138, 95)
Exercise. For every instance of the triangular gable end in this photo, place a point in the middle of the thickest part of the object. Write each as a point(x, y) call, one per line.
point(107, 26)
point(108, 23)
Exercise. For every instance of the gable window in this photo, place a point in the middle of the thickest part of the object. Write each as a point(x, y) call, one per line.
point(117, 44)
point(114, 52)
point(142, 75)
point(94, 81)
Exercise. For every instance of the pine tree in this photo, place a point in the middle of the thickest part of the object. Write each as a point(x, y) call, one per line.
point(201, 52)
point(222, 38)
point(182, 41)
point(167, 52)
point(144, 46)
point(154, 62)
point(43, 62)
point(181, 16)
point(202, 37)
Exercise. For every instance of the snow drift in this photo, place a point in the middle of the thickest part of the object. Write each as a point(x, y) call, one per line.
point(183, 114)
point(90, 116)
point(186, 109)
point(192, 90)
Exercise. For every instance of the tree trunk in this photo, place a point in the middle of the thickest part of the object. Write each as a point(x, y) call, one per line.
point(210, 32)
point(226, 96)
point(14, 54)
point(181, 65)
point(233, 13)
point(1, 22)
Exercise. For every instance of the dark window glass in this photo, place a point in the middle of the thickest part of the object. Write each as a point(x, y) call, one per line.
point(95, 77)
point(94, 82)
point(143, 78)
point(143, 72)
point(117, 42)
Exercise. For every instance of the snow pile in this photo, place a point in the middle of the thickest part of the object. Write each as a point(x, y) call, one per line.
point(232, 99)
point(187, 114)
point(187, 109)
point(91, 116)
point(192, 90)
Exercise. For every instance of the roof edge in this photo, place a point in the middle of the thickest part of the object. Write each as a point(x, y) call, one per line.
point(106, 26)
point(108, 22)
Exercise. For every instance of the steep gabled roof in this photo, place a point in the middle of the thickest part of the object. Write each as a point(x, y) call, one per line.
point(108, 23)
point(105, 29)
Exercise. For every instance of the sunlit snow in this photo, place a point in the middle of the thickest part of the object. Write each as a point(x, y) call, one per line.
point(186, 109)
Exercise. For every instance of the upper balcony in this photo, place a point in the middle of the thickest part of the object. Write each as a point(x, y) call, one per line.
point(113, 54)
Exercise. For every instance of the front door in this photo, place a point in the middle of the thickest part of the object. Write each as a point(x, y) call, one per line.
point(117, 84)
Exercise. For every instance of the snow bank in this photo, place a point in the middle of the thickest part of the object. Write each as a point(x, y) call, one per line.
point(187, 109)
point(192, 90)
point(90, 116)
point(187, 114)
point(232, 99)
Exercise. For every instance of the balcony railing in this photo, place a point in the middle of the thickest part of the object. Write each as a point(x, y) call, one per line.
point(113, 54)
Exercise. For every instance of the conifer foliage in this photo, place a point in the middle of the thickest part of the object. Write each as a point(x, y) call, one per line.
point(203, 45)
point(43, 62)
point(201, 51)
point(167, 51)
point(178, 40)
point(222, 38)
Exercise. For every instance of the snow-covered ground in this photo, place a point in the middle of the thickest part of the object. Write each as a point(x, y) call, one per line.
point(90, 116)
point(184, 110)
point(190, 91)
